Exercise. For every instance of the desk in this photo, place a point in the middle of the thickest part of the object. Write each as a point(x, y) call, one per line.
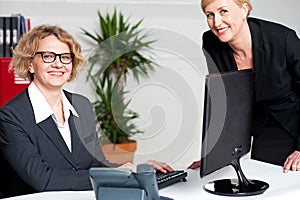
point(282, 185)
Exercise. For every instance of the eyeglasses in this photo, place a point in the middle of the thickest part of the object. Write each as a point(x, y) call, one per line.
point(50, 57)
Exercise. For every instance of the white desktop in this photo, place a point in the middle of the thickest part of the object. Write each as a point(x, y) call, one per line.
point(282, 185)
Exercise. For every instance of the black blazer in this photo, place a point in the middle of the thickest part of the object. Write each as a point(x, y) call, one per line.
point(36, 155)
point(276, 60)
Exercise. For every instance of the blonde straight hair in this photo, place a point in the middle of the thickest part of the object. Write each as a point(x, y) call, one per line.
point(240, 3)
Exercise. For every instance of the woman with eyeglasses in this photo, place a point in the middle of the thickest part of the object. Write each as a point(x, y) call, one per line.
point(47, 135)
point(236, 41)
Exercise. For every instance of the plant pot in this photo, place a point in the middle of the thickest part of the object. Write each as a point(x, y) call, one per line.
point(120, 153)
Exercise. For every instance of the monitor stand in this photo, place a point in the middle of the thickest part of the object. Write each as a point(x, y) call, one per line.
point(236, 187)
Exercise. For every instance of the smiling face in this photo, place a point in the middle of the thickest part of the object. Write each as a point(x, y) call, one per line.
point(53, 75)
point(226, 19)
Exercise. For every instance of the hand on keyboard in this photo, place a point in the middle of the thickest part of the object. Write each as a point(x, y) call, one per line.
point(160, 166)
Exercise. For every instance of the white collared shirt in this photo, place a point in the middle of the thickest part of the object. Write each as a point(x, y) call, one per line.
point(42, 111)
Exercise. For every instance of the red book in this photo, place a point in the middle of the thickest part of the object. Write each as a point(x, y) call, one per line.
point(10, 84)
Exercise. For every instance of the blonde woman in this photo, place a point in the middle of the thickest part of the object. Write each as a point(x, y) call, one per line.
point(47, 135)
point(236, 41)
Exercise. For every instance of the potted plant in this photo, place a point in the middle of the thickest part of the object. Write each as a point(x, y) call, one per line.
point(121, 49)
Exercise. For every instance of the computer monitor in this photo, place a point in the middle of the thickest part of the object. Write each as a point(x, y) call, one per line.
point(226, 135)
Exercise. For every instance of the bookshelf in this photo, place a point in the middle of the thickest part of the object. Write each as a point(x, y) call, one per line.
point(11, 29)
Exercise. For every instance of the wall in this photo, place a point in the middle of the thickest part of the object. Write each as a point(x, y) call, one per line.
point(170, 101)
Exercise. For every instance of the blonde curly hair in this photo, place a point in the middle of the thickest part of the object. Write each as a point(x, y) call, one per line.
point(28, 44)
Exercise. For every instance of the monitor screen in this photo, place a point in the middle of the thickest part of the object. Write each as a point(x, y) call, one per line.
point(226, 135)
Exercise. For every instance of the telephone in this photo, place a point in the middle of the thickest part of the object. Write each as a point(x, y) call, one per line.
point(120, 184)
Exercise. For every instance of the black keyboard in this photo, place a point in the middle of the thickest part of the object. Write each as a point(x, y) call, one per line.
point(164, 180)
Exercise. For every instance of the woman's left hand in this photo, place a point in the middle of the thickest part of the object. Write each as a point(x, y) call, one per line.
point(292, 162)
point(161, 166)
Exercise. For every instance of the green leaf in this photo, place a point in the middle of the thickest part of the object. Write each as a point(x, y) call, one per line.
point(119, 39)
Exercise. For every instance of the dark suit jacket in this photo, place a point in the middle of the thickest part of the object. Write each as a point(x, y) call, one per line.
point(36, 155)
point(276, 58)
